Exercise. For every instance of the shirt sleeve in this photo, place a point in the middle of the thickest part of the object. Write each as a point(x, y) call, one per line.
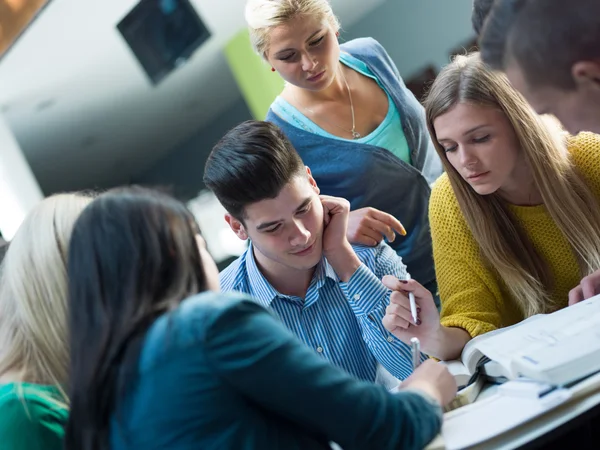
point(261, 359)
point(27, 425)
point(364, 291)
point(393, 354)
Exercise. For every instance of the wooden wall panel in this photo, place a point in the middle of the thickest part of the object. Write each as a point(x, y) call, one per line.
point(15, 16)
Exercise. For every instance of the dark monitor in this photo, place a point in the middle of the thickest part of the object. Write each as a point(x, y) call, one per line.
point(163, 34)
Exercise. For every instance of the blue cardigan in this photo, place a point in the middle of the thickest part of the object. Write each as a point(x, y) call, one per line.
point(372, 176)
point(220, 372)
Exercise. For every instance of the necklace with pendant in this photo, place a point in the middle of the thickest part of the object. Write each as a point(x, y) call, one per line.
point(355, 134)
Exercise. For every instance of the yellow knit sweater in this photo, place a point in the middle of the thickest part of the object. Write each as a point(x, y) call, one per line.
point(473, 298)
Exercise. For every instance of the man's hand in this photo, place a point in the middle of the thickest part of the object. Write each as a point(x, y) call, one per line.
point(336, 247)
point(335, 219)
point(588, 287)
point(368, 226)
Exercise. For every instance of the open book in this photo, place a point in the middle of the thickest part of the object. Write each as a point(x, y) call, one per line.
point(506, 411)
point(558, 348)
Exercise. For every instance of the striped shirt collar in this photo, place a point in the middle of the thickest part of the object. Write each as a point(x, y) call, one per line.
point(265, 293)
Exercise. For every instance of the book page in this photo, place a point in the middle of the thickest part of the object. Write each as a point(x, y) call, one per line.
point(466, 396)
point(472, 353)
point(485, 419)
point(458, 370)
point(535, 336)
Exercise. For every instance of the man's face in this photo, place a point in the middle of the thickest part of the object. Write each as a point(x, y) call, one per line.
point(286, 231)
point(578, 109)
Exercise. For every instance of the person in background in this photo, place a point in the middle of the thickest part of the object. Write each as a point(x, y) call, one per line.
point(550, 51)
point(349, 115)
point(299, 262)
point(481, 9)
point(161, 359)
point(515, 220)
point(33, 331)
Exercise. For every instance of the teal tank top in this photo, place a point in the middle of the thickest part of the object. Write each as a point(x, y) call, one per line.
point(389, 134)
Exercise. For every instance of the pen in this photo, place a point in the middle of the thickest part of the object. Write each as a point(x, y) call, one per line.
point(411, 299)
point(415, 346)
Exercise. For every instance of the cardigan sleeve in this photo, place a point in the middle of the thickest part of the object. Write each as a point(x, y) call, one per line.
point(262, 360)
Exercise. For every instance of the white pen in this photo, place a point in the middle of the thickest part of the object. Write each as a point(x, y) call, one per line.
point(415, 346)
point(413, 304)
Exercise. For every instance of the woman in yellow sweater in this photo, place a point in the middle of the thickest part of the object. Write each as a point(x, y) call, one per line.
point(515, 220)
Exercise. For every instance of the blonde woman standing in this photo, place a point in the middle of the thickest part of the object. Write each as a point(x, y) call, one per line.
point(349, 115)
point(33, 327)
point(516, 218)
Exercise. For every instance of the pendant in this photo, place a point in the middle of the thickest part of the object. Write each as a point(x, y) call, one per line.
point(355, 135)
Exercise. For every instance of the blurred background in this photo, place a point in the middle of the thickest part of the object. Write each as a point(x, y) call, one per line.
point(101, 93)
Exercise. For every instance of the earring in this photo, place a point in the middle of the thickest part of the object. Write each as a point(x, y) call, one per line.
point(272, 69)
point(337, 34)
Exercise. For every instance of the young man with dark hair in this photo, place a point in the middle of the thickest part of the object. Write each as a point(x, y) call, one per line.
point(299, 262)
point(550, 51)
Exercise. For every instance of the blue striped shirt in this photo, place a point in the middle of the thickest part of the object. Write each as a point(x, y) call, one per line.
point(341, 321)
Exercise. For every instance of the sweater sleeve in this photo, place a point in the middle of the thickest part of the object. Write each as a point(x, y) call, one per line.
point(261, 359)
point(585, 151)
point(469, 293)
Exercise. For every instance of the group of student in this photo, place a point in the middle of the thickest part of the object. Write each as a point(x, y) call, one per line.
point(117, 331)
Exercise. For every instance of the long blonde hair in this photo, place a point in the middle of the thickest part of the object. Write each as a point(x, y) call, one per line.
point(264, 15)
point(33, 294)
point(504, 246)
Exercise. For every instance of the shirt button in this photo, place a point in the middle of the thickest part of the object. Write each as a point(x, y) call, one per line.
point(356, 296)
point(390, 339)
point(320, 349)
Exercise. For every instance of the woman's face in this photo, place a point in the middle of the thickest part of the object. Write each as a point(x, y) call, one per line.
point(481, 144)
point(210, 268)
point(305, 51)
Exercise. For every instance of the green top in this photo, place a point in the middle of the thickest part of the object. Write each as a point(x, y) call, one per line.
point(29, 419)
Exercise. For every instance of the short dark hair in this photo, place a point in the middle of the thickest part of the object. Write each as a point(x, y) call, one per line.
point(494, 33)
point(544, 37)
point(252, 162)
point(481, 9)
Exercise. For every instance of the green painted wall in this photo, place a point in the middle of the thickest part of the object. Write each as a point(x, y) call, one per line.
point(257, 83)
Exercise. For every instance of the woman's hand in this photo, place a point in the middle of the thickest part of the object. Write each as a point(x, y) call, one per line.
point(434, 379)
point(398, 318)
point(588, 287)
point(368, 226)
point(436, 340)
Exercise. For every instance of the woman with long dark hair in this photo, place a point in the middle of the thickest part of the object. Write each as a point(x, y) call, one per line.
point(153, 365)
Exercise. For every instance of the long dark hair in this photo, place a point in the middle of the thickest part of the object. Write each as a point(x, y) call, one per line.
point(133, 256)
